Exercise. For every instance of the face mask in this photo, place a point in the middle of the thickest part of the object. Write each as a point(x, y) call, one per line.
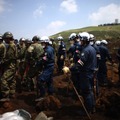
point(71, 44)
point(80, 42)
point(91, 43)
point(43, 46)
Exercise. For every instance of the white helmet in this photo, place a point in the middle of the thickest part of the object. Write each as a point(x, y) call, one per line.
point(72, 36)
point(45, 39)
point(92, 37)
point(98, 42)
point(60, 38)
point(79, 34)
point(104, 42)
point(84, 36)
point(50, 42)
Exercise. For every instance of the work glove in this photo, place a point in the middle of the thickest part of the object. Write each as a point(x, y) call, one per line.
point(66, 70)
point(61, 57)
point(71, 60)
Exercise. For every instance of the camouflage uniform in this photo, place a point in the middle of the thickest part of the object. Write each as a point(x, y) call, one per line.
point(20, 64)
point(54, 45)
point(2, 56)
point(33, 54)
point(33, 57)
point(21, 58)
point(8, 82)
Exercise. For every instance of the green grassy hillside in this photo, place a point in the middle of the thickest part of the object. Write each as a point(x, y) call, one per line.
point(110, 33)
point(100, 32)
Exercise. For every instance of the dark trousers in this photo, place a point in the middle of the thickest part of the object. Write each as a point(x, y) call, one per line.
point(102, 73)
point(45, 81)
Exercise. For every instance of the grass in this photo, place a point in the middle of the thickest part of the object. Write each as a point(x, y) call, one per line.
point(110, 33)
point(100, 32)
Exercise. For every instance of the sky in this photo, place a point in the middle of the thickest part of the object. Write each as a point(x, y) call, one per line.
point(26, 18)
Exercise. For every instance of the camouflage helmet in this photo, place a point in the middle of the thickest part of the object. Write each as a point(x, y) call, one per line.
point(28, 41)
point(36, 38)
point(7, 35)
point(22, 39)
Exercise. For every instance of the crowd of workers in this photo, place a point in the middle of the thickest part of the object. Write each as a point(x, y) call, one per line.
point(34, 59)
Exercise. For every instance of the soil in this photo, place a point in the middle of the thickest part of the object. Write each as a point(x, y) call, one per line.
point(65, 105)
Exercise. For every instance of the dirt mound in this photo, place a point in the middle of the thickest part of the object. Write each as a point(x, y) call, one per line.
point(109, 102)
point(48, 103)
point(64, 105)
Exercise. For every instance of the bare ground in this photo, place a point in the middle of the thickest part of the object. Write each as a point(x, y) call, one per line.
point(64, 104)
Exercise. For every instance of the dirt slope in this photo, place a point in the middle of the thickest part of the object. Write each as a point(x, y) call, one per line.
point(64, 105)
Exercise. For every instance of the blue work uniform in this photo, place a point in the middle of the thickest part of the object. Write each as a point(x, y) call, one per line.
point(74, 51)
point(95, 84)
point(45, 78)
point(87, 65)
point(102, 72)
point(61, 55)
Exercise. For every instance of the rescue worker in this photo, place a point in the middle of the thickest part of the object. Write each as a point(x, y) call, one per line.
point(34, 52)
point(61, 54)
point(28, 43)
point(75, 48)
point(86, 66)
point(8, 82)
point(74, 54)
point(16, 43)
point(20, 64)
point(54, 45)
point(105, 55)
point(45, 78)
point(2, 55)
point(95, 81)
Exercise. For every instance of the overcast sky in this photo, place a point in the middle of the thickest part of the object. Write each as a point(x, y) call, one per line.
point(26, 18)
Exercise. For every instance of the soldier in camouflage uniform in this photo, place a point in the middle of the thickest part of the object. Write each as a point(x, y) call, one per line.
point(34, 53)
point(8, 82)
point(20, 63)
point(54, 45)
point(2, 55)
